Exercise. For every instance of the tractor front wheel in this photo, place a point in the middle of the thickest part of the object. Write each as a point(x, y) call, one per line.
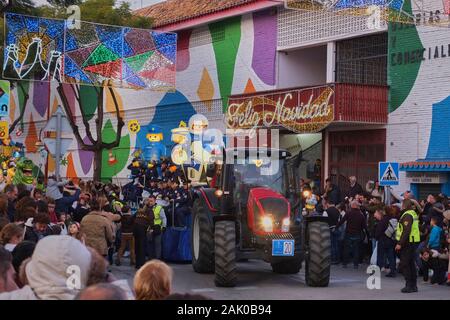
point(202, 240)
point(317, 270)
point(225, 254)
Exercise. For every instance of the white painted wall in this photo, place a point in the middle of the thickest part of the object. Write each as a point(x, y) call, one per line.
point(302, 67)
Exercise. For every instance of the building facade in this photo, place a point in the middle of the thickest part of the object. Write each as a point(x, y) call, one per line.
point(394, 104)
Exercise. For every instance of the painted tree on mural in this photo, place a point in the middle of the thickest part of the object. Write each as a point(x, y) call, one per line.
point(102, 137)
point(97, 142)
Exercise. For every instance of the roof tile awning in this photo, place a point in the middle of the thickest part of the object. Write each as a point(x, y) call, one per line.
point(426, 165)
point(173, 11)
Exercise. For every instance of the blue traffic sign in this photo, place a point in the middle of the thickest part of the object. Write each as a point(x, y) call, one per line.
point(388, 173)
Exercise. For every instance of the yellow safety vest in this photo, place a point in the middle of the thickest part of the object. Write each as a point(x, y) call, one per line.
point(156, 212)
point(414, 236)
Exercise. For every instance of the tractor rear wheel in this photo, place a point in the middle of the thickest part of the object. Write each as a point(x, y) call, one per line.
point(225, 254)
point(202, 239)
point(317, 270)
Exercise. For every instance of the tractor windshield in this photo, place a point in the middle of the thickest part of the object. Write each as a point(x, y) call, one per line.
point(256, 173)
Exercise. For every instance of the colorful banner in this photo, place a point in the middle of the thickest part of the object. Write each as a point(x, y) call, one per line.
point(46, 49)
point(302, 111)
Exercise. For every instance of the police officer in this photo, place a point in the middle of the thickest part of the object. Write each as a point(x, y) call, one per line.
point(180, 198)
point(408, 238)
point(157, 226)
point(165, 189)
point(152, 187)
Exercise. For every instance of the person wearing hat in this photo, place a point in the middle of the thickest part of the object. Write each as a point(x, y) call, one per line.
point(180, 199)
point(151, 186)
point(135, 168)
point(408, 239)
point(165, 189)
point(151, 170)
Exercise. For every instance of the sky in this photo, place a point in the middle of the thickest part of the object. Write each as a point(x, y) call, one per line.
point(135, 4)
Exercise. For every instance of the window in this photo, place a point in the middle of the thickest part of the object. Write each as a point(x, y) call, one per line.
point(362, 60)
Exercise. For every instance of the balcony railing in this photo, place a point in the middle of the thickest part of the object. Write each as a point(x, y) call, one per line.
point(353, 103)
point(361, 103)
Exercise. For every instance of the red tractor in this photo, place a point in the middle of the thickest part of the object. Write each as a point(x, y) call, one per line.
point(251, 214)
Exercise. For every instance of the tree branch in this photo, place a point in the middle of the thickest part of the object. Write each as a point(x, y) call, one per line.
point(120, 123)
point(99, 120)
point(22, 111)
point(83, 115)
point(73, 125)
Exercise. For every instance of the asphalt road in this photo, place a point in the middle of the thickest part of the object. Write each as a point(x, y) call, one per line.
point(257, 281)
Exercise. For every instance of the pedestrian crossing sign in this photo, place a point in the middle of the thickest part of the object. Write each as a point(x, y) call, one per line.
point(388, 173)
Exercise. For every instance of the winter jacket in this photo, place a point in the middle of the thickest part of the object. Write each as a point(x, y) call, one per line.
point(127, 223)
point(11, 210)
point(434, 242)
point(99, 231)
point(334, 194)
point(356, 222)
point(353, 191)
point(53, 188)
point(47, 272)
point(79, 212)
point(381, 228)
point(64, 203)
point(32, 235)
point(333, 215)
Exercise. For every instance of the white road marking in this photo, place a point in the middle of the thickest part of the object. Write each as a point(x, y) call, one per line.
point(203, 290)
point(245, 288)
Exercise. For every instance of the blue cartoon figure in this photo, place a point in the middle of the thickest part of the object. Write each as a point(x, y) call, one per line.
point(156, 148)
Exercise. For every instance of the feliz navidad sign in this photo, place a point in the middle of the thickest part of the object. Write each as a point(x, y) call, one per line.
point(302, 111)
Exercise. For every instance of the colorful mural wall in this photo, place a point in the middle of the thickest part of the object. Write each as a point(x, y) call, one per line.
point(228, 57)
point(419, 79)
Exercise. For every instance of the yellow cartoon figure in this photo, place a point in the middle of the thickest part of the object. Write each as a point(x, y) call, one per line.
point(181, 150)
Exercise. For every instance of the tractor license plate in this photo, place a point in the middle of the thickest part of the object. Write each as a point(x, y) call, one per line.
point(282, 248)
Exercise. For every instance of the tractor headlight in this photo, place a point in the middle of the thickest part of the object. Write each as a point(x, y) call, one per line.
point(267, 223)
point(218, 193)
point(285, 225)
point(306, 194)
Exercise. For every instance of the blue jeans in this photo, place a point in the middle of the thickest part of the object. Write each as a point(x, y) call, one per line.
point(352, 244)
point(335, 252)
point(420, 247)
point(386, 250)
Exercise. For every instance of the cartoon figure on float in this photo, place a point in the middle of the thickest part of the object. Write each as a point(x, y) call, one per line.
point(156, 149)
point(198, 124)
point(182, 140)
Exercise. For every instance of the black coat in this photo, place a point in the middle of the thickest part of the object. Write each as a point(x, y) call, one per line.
point(353, 191)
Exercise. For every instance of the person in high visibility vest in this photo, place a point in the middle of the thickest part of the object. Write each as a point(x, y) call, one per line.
point(408, 239)
point(156, 228)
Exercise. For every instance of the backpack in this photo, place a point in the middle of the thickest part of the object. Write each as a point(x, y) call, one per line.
point(391, 229)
